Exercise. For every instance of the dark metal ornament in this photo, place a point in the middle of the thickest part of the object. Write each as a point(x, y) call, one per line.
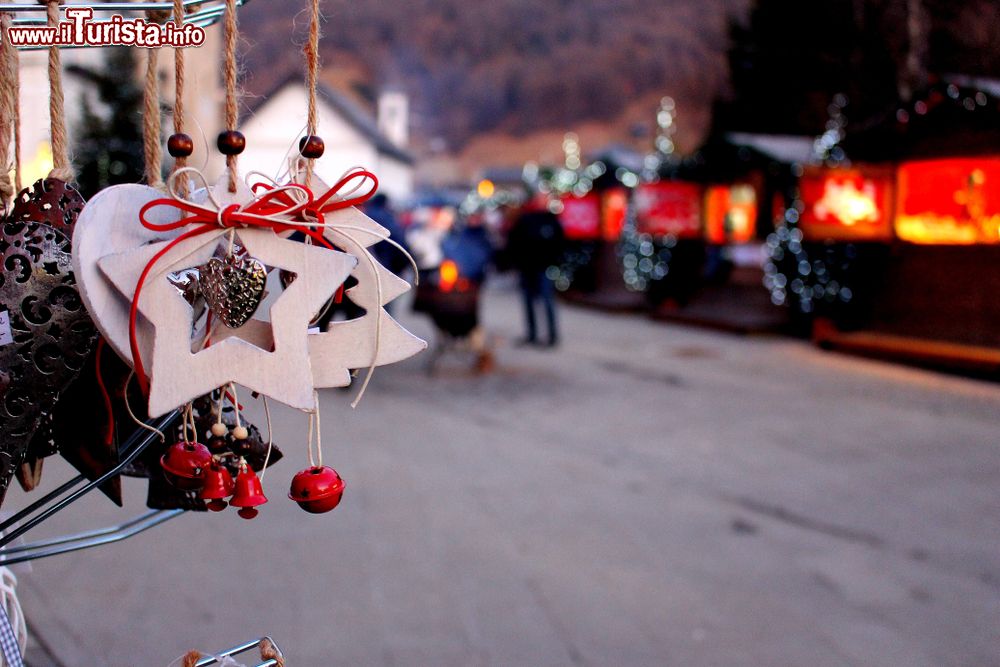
point(51, 333)
point(233, 286)
point(58, 204)
point(49, 201)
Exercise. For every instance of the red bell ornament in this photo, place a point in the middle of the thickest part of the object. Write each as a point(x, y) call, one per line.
point(184, 465)
point(317, 489)
point(249, 493)
point(219, 485)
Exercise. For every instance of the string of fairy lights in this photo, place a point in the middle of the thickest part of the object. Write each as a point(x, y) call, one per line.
point(645, 258)
point(811, 284)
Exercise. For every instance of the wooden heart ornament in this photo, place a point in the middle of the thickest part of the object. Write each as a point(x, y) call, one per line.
point(108, 225)
point(233, 286)
point(45, 333)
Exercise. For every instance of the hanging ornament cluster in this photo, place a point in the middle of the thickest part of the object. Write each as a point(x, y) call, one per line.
point(177, 282)
point(196, 288)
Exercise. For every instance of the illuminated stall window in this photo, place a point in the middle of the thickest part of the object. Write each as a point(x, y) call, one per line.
point(615, 204)
point(730, 213)
point(581, 217)
point(846, 204)
point(954, 201)
point(669, 208)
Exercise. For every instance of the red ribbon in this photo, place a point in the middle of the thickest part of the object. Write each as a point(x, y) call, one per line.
point(276, 201)
point(315, 208)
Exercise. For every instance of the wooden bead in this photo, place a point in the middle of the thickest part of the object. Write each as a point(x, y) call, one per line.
point(180, 145)
point(231, 142)
point(219, 430)
point(217, 444)
point(311, 146)
point(241, 433)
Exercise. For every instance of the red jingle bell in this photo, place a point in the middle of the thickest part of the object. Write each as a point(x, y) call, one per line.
point(184, 465)
point(219, 485)
point(317, 489)
point(249, 493)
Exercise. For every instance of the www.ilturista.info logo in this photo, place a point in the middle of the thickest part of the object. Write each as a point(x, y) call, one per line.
point(80, 30)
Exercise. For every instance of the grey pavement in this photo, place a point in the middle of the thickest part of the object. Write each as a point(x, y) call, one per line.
point(646, 494)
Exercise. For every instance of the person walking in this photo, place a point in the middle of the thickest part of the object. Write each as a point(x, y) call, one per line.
point(535, 244)
point(379, 209)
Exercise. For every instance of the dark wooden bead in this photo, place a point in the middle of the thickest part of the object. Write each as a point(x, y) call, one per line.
point(311, 146)
point(231, 142)
point(180, 145)
point(216, 443)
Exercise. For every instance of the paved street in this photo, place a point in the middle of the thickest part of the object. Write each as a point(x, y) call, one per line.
point(645, 495)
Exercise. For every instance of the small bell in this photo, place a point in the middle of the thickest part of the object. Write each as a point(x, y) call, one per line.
point(249, 493)
point(317, 489)
point(184, 464)
point(219, 485)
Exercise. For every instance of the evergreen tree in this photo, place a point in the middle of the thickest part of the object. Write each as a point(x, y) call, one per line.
point(108, 147)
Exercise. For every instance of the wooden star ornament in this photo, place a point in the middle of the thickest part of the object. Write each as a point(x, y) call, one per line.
point(283, 372)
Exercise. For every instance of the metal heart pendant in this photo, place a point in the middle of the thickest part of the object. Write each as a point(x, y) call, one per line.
point(233, 288)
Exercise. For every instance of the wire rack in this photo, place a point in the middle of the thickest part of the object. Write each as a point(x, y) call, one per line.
point(242, 648)
point(68, 493)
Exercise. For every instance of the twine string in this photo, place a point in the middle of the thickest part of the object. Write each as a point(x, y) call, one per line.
point(219, 406)
point(128, 408)
point(16, 87)
point(236, 403)
point(151, 124)
point(61, 167)
point(309, 439)
point(9, 115)
point(319, 429)
point(181, 161)
point(312, 74)
point(229, 71)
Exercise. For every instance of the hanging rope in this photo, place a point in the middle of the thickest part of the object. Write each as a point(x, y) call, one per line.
point(151, 124)
point(180, 161)
point(312, 74)
point(61, 167)
point(9, 115)
point(16, 86)
point(229, 67)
